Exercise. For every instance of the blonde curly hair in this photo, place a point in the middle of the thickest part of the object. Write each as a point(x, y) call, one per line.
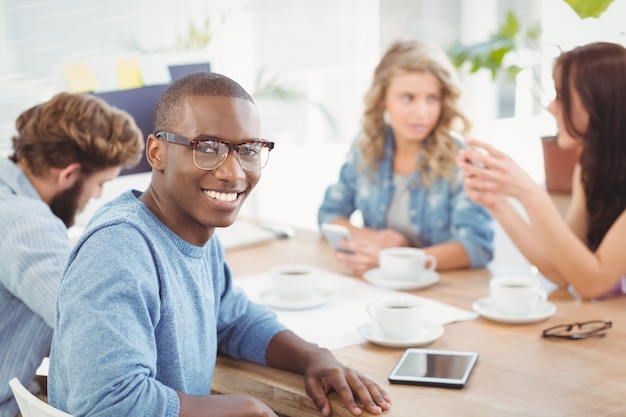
point(439, 149)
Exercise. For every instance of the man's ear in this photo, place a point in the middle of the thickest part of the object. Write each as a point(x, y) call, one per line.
point(155, 152)
point(67, 177)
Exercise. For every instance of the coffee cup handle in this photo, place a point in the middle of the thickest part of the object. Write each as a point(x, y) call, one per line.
point(431, 261)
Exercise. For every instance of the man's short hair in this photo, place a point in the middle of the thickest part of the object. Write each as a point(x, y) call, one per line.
point(72, 128)
point(170, 108)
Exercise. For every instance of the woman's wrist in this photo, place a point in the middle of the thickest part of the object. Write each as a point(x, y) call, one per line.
point(535, 196)
point(498, 205)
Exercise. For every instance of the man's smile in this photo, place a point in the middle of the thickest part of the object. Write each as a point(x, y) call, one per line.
point(221, 196)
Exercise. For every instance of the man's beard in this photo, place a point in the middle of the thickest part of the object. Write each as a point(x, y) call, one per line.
point(65, 204)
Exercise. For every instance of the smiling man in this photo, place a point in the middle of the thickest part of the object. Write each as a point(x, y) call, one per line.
point(147, 300)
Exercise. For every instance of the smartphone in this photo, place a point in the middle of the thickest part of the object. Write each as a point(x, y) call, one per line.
point(461, 139)
point(476, 163)
point(334, 234)
point(433, 367)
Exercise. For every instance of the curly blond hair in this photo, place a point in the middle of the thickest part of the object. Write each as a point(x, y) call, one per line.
point(439, 149)
point(79, 128)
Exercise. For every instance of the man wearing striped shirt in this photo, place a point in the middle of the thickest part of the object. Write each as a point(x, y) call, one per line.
point(64, 151)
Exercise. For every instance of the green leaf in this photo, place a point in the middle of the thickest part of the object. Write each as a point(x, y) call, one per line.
point(490, 54)
point(533, 33)
point(487, 55)
point(589, 8)
point(197, 37)
point(512, 71)
point(510, 27)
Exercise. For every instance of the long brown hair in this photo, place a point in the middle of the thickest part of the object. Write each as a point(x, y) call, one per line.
point(71, 128)
point(597, 71)
point(439, 150)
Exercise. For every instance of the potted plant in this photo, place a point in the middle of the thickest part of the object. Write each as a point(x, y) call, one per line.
point(524, 46)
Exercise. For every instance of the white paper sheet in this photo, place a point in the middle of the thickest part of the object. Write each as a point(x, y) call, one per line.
point(334, 325)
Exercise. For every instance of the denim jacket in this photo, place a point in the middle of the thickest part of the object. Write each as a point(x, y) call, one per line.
point(438, 214)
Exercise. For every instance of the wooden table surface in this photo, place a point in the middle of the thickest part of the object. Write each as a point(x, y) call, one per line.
point(518, 373)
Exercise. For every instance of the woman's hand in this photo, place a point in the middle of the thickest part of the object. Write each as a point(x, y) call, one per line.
point(365, 255)
point(388, 238)
point(366, 245)
point(489, 175)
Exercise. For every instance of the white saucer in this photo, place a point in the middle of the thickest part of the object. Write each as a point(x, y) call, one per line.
point(427, 334)
point(375, 276)
point(319, 297)
point(485, 308)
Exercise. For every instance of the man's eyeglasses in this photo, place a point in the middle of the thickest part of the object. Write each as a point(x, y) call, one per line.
point(210, 152)
point(578, 330)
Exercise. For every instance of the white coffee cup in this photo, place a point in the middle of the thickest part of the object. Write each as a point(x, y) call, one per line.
point(294, 282)
point(516, 295)
point(399, 317)
point(405, 263)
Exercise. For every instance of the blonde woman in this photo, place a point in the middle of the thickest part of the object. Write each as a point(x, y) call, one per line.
point(401, 172)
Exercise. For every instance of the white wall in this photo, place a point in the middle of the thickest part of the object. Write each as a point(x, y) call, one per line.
point(324, 49)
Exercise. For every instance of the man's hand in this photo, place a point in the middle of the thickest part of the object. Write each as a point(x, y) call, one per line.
point(323, 373)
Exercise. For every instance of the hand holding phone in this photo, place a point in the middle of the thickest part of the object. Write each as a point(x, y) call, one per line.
point(461, 139)
point(480, 151)
point(334, 234)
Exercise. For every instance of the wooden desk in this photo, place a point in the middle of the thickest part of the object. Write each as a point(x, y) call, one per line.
point(518, 373)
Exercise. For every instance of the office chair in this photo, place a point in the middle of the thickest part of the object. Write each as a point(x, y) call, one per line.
point(30, 405)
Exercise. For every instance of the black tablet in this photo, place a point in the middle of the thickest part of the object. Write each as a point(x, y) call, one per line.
point(433, 367)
